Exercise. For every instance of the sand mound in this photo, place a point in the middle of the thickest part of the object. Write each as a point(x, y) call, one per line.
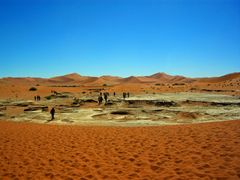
point(202, 151)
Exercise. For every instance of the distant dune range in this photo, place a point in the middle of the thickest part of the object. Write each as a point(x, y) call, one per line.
point(75, 78)
point(18, 87)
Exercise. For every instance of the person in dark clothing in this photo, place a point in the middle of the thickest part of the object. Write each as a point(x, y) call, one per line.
point(114, 94)
point(124, 95)
point(100, 99)
point(105, 96)
point(52, 112)
point(128, 94)
point(35, 98)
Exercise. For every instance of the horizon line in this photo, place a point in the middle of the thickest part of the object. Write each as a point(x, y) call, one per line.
point(2, 77)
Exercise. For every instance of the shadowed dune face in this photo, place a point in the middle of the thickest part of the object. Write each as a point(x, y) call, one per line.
point(203, 151)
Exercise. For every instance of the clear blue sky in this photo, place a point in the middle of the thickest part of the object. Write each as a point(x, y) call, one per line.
point(44, 38)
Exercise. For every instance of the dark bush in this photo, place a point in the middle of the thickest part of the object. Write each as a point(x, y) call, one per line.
point(32, 89)
point(49, 97)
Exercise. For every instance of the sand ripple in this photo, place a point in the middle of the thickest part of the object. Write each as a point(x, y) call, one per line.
point(200, 151)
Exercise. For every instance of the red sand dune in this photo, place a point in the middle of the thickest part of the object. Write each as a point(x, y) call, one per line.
point(69, 78)
point(75, 78)
point(200, 151)
point(109, 80)
point(131, 79)
point(227, 77)
point(161, 76)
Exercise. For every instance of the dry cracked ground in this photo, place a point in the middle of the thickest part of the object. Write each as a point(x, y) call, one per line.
point(137, 110)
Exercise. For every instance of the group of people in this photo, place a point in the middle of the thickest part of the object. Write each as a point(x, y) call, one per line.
point(37, 98)
point(103, 96)
point(126, 94)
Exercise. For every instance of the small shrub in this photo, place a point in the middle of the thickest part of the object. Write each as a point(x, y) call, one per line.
point(49, 97)
point(104, 84)
point(32, 89)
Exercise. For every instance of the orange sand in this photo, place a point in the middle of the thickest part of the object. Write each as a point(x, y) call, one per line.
point(200, 151)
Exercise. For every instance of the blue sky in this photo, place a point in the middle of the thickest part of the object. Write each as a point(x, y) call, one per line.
point(44, 38)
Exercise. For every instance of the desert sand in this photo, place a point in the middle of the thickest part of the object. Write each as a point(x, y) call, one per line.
point(200, 151)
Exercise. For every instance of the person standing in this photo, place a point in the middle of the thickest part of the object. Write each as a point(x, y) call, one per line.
point(105, 97)
point(100, 99)
point(52, 112)
point(124, 95)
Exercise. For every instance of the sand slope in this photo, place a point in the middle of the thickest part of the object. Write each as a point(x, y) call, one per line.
point(202, 151)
